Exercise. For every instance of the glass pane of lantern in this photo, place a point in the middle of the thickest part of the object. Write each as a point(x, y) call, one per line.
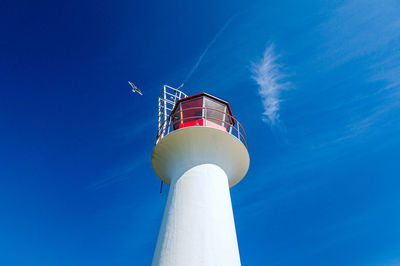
point(192, 109)
point(228, 119)
point(176, 118)
point(214, 111)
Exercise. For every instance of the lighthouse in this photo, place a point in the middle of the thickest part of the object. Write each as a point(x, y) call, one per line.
point(200, 152)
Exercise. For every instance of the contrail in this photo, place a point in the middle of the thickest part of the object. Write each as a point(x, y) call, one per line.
point(208, 47)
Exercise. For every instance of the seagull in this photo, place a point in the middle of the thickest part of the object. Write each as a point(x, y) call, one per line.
point(134, 88)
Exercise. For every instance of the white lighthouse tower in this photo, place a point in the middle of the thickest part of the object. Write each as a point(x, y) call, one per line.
point(200, 152)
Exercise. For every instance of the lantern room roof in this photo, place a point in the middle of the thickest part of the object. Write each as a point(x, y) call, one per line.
point(200, 95)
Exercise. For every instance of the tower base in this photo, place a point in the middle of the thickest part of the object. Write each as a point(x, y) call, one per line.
point(198, 225)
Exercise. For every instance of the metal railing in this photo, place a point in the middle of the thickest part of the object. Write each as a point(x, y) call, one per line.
point(230, 125)
point(166, 102)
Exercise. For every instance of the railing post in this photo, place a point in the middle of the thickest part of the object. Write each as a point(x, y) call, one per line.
point(204, 112)
point(237, 123)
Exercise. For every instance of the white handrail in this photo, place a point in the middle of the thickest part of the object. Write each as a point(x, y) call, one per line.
point(167, 126)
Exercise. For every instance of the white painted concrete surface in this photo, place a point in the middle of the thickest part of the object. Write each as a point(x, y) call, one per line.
point(198, 226)
point(187, 147)
point(200, 164)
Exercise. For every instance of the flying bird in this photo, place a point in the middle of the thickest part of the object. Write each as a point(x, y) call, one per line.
point(134, 89)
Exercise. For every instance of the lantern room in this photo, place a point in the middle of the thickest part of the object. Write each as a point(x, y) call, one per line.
point(202, 110)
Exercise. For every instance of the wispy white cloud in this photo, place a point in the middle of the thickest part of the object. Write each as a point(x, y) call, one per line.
point(271, 81)
point(360, 28)
point(371, 34)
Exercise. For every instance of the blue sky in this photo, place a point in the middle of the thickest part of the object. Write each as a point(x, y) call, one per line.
point(315, 84)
